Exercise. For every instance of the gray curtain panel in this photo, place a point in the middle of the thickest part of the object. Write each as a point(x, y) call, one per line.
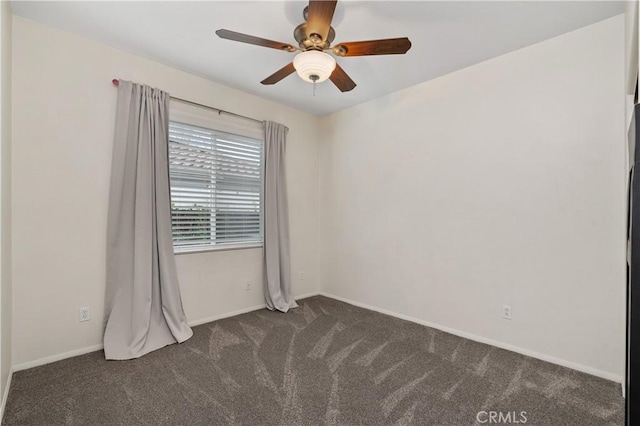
point(143, 305)
point(277, 269)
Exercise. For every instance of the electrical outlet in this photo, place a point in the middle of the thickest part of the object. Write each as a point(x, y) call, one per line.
point(506, 312)
point(85, 314)
point(248, 286)
point(301, 275)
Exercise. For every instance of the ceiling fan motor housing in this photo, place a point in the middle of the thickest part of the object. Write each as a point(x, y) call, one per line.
point(312, 41)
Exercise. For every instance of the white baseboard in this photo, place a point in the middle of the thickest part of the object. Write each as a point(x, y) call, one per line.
point(5, 394)
point(88, 349)
point(57, 357)
point(241, 311)
point(226, 315)
point(548, 358)
point(304, 296)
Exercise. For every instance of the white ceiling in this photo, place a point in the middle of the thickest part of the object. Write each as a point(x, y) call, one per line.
point(446, 36)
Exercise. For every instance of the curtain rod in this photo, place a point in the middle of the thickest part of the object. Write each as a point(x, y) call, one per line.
point(116, 82)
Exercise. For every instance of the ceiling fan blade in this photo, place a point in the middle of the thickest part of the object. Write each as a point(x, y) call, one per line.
point(319, 17)
point(390, 46)
point(279, 75)
point(341, 79)
point(245, 38)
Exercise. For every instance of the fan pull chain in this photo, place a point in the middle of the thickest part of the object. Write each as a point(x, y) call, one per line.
point(313, 79)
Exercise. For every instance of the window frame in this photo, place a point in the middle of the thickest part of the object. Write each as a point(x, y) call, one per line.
point(215, 122)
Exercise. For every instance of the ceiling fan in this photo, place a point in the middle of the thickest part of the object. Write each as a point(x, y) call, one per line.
point(314, 38)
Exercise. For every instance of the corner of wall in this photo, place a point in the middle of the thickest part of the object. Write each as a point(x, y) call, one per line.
point(5, 202)
point(323, 123)
point(319, 139)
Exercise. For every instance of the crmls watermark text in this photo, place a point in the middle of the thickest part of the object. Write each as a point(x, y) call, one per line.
point(501, 417)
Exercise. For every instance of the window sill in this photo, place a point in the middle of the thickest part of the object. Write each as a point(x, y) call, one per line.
point(217, 248)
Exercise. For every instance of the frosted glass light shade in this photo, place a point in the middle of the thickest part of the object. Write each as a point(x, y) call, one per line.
point(314, 62)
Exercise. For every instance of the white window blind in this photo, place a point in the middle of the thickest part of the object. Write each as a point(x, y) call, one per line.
point(216, 188)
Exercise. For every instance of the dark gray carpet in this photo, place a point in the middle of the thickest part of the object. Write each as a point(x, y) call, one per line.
point(325, 362)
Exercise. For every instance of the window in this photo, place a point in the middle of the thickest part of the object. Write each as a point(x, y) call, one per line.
point(216, 188)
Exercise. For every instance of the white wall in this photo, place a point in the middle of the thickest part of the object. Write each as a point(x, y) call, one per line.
point(502, 183)
point(5, 195)
point(631, 44)
point(631, 53)
point(63, 119)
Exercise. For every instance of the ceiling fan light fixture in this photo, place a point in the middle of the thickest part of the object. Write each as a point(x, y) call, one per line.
point(314, 66)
